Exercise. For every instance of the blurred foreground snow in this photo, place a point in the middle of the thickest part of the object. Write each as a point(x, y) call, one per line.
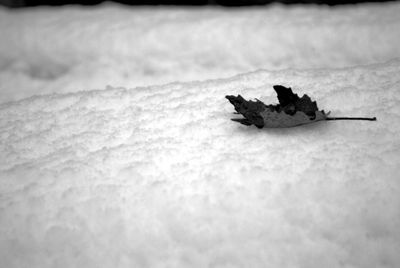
point(159, 176)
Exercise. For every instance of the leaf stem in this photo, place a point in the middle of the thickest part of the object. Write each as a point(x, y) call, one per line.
point(352, 118)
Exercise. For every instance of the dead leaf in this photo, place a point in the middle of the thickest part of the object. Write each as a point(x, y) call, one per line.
point(291, 111)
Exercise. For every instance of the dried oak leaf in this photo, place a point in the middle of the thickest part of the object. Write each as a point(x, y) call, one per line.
point(291, 110)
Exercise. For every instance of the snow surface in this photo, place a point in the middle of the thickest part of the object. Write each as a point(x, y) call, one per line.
point(158, 176)
point(69, 49)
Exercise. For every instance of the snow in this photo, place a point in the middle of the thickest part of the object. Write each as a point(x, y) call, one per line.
point(156, 175)
point(69, 49)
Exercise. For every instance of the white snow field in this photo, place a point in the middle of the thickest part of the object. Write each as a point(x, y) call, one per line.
point(146, 174)
point(69, 49)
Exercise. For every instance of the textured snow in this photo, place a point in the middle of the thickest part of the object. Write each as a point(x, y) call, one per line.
point(71, 49)
point(158, 175)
